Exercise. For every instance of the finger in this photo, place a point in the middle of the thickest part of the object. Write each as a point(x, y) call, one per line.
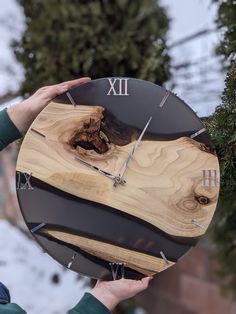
point(58, 89)
point(55, 90)
point(99, 281)
point(77, 82)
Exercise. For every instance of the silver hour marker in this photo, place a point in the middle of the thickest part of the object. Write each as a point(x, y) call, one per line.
point(118, 87)
point(39, 133)
point(210, 177)
point(71, 99)
point(198, 224)
point(198, 133)
point(164, 99)
point(72, 260)
point(164, 258)
point(40, 226)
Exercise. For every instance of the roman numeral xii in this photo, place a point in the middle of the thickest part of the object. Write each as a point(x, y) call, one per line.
point(118, 87)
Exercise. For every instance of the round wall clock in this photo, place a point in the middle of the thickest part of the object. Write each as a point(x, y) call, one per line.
point(117, 178)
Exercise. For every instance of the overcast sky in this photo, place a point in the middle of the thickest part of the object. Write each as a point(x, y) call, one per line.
point(200, 85)
point(189, 16)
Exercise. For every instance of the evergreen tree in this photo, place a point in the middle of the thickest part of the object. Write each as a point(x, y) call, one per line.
point(227, 22)
point(66, 39)
point(223, 129)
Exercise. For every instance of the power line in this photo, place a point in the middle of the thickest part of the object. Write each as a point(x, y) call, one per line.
point(192, 37)
point(189, 64)
point(191, 74)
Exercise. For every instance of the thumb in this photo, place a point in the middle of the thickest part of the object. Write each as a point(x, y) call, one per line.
point(146, 281)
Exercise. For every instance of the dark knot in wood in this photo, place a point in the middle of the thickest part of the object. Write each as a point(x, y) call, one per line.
point(203, 200)
point(100, 131)
point(208, 149)
point(90, 137)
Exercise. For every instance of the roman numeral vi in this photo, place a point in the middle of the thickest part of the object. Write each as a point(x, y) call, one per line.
point(117, 268)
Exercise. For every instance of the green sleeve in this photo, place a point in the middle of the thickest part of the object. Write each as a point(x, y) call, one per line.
point(89, 305)
point(8, 131)
point(11, 308)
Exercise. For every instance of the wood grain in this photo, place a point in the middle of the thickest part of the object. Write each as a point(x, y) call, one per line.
point(143, 263)
point(164, 180)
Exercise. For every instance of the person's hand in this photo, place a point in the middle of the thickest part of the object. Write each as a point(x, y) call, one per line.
point(110, 293)
point(24, 113)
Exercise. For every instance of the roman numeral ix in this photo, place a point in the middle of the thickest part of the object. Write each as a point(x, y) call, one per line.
point(23, 185)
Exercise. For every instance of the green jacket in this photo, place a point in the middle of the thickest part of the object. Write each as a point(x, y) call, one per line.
point(88, 304)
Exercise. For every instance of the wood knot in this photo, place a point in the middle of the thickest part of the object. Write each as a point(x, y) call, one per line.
point(100, 131)
point(90, 137)
point(203, 200)
point(207, 149)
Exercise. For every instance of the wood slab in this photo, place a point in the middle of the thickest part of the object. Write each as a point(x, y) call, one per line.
point(165, 183)
point(145, 264)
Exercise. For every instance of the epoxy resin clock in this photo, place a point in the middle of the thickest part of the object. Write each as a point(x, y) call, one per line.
point(117, 178)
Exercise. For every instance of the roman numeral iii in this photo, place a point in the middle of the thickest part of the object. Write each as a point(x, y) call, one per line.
point(118, 87)
point(210, 177)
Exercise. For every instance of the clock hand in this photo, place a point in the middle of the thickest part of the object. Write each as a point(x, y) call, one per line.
point(133, 150)
point(116, 179)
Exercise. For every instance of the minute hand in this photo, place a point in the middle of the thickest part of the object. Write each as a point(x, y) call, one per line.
point(134, 149)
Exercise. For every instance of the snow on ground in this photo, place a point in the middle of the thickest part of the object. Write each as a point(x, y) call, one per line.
point(11, 102)
point(30, 275)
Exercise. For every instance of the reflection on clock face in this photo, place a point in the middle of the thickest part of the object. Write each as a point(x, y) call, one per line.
point(117, 178)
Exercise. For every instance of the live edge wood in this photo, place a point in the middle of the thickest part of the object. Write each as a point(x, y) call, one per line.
point(164, 180)
point(143, 263)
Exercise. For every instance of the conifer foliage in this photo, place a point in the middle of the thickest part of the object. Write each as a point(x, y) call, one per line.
point(223, 130)
point(66, 39)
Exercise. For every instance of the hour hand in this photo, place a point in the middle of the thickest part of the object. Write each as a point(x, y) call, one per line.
point(115, 179)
